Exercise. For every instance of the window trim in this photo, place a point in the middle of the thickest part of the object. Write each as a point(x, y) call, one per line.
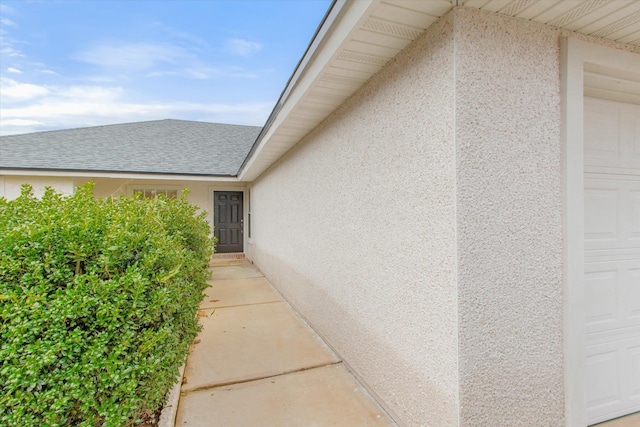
point(132, 188)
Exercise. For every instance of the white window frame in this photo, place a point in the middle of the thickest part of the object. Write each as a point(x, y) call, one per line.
point(157, 187)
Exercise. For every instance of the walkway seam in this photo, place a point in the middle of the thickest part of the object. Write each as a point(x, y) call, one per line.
point(242, 305)
point(228, 383)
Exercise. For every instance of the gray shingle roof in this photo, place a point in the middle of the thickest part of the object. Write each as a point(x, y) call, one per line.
point(162, 147)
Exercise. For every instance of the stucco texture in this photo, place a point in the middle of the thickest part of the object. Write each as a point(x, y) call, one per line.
point(356, 226)
point(200, 192)
point(509, 221)
point(420, 227)
point(12, 185)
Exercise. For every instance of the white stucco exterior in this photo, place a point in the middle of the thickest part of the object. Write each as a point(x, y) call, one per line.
point(430, 228)
point(11, 185)
point(420, 227)
point(200, 192)
point(509, 221)
point(356, 227)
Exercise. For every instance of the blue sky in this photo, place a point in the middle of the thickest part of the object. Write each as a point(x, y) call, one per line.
point(66, 64)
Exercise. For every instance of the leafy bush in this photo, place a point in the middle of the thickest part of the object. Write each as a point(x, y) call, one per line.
point(97, 305)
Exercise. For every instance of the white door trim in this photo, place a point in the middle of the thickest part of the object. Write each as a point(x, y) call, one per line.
point(575, 55)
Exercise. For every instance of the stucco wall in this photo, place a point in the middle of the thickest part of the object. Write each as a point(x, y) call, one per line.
point(200, 192)
point(12, 185)
point(356, 226)
point(509, 188)
point(333, 229)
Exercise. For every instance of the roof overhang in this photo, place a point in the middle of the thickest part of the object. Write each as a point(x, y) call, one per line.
point(116, 175)
point(357, 39)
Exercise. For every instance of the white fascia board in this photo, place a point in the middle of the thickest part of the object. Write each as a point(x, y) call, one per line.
point(324, 49)
point(116, 175)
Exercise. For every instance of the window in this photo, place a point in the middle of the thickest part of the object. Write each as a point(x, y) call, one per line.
point(148, 193)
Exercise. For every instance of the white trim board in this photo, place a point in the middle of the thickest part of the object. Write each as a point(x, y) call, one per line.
point(578, 58)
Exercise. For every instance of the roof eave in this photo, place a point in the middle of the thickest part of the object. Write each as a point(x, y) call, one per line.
point(338, 61)
point(116, 175)
point(340, 19)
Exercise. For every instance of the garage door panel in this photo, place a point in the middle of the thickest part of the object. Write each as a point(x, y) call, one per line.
point(612, 379)
point(601, 215)
point(612, 259)
point(629, 123)
point(635, 152)
point(611, 140)
point(635, 372)
point(612, 294)
point(603, 392)
point(633, 297)
point(601, 144)
point(635, 214)
point(612, 211)
point(601, 297)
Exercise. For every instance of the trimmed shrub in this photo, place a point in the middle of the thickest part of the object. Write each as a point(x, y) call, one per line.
point(98, 301)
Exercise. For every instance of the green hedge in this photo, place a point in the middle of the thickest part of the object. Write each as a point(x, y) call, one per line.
point(98, 301)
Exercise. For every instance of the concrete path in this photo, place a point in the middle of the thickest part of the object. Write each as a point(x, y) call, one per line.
point(256, 363)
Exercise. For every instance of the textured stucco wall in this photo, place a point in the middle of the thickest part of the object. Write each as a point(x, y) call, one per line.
point(428, 208)
point(12, 185)
point(356, 226)
point(200, 192)
point(509, 219)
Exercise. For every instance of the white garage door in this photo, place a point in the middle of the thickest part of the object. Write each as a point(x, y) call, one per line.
point(612, 258)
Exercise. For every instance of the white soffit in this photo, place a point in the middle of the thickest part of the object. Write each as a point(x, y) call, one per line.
point(360, 36)
point(356, 42)
point(617, 20)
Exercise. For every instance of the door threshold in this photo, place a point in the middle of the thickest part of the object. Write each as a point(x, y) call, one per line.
point(230, 255)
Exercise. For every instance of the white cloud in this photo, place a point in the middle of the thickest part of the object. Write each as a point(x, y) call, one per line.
point(90, 93)
point(122, 60)
point(60, 114)
point(242, 47)
point(7, 22)
point(65, 107)
point(22, 122)
point(132, 56)
point(9, 46)
point(16, 91)
point(180, 35)
point(14, 70)
point(13, 126)
point(10, 51)
point(199, 72)
point(219, 72)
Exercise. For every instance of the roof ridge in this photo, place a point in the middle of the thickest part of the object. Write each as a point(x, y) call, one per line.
point(128, 123)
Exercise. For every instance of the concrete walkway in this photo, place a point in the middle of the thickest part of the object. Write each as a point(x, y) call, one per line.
point(256, 363)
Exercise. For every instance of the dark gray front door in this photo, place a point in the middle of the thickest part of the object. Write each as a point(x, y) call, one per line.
point(227, 208)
